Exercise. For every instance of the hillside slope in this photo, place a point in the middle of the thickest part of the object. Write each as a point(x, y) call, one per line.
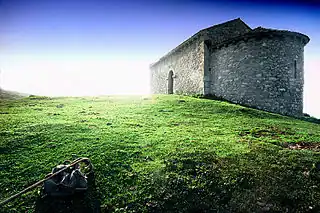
point(162, 154)
point(5, 94)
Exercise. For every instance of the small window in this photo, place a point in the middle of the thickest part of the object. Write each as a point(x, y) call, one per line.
point(295, 69)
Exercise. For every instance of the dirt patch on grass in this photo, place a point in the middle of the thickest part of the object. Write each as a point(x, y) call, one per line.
point(314, 146)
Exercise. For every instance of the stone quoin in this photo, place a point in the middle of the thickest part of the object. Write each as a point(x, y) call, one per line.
point(260, 68)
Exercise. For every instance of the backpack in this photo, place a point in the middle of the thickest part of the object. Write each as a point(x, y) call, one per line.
point(67, 182)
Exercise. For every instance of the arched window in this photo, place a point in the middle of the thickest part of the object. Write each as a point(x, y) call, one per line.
point(170, 82)
point(295, 69)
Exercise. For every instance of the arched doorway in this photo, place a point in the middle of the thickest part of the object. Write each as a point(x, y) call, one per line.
point(170, 82)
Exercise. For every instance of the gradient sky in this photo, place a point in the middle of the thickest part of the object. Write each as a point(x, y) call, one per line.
point(94, 47)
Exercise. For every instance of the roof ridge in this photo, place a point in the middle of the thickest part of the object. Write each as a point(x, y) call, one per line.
point(201, 33)
point(227, 22)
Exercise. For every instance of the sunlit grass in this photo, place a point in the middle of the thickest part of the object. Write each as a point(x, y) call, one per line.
point(161, 153)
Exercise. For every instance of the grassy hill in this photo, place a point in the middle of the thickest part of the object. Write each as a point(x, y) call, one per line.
point(163, 153)
point(5, 94)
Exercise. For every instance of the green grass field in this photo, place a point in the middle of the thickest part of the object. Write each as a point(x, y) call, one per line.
point(162, 153)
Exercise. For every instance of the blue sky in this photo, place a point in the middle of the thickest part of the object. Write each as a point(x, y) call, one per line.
point(69, 47)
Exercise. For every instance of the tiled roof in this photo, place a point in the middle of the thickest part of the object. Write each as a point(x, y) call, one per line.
point(261, 32)
point(230, 36)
